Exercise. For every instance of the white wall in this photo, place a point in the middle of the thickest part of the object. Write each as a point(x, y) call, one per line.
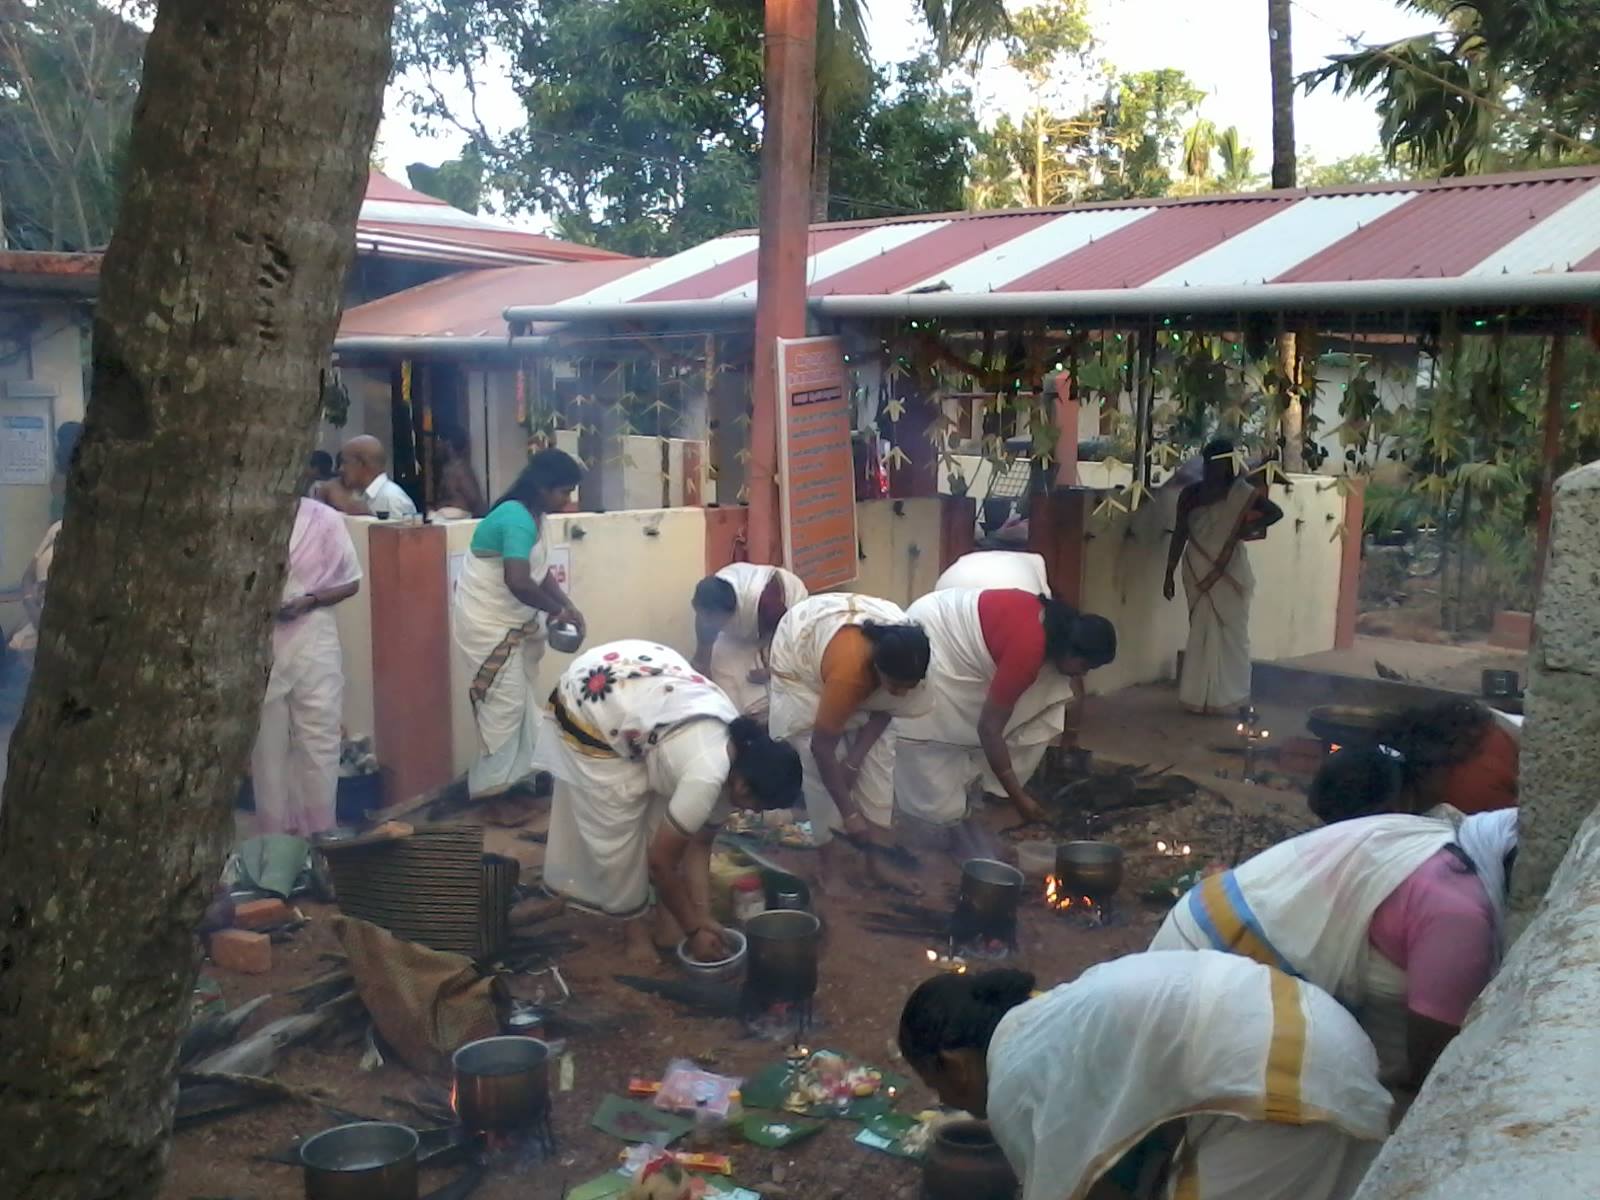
point(900, 539)
point(1297, 571)
point(631, 574)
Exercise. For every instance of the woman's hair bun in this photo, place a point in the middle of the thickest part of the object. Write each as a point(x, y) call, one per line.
point(1005, 988)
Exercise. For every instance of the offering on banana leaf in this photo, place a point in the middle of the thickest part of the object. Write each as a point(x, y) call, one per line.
point(830, 1080)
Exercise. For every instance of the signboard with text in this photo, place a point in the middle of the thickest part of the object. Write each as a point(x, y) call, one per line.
point(816, 472)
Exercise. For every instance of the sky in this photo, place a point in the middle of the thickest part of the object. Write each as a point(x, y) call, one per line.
point(1220, 44)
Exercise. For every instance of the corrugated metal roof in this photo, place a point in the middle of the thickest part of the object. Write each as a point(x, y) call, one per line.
point(1165, 252)
point(472, 304)
point(398, 222)
point(1440, 234)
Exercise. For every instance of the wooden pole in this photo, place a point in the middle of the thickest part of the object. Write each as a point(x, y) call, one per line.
point(786, 147)
point(1554, 417)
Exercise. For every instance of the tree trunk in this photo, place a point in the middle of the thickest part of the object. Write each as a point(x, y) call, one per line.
point(218, 303)
point(821, 160)
point(1281, 62)
point(1293, 423)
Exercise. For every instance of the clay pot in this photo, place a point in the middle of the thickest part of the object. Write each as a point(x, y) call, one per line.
point(964, 1163)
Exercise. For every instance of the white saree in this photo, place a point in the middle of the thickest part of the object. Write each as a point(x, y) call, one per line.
point(796, 664)
point(1218, 584)
point(632, 736)
point(996, 569)
point(1276, 1085)
point(503, 641)
point(737, 651)
point(937, 756)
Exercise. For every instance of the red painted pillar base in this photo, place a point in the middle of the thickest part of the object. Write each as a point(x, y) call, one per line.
point(958, 532)
point(408, 581)
point(1056, 525)
point(726, 537)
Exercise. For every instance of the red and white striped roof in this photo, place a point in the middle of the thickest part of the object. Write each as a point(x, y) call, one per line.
point(1485, 228)
point(397, 222)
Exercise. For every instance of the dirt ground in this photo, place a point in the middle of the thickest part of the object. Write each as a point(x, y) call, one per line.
point(865, 978)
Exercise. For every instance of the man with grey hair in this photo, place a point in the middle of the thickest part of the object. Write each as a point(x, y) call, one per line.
point(363, 465)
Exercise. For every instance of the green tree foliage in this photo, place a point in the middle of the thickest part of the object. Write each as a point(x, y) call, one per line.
point(1502, 83)
point(458, 181)
point(1370, 167)
point(907, 146)
point(69, 76)
point(642, 126)
point(1123, 146)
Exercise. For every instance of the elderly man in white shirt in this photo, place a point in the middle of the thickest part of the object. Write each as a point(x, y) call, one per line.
point(362, 468)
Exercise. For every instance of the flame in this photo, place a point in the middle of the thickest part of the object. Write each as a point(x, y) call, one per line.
point(1055, 897)
point(454, 1107)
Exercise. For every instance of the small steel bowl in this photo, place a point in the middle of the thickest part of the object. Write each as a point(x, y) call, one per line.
point(722, 970)
point(563, 638)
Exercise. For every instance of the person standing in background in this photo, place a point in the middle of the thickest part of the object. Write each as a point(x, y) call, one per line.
point(459, 494)
point(504, 600)
point(736, 612)
point(1216, 516)
point(294, 768)
point(363, 468)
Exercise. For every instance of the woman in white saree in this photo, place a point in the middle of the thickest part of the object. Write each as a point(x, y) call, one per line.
point(1004, 672)
point(736, 612)
point(1215, 517)
point(1397, 916)
point(1225, 1079)
point(647, 756)
point(843, 667)
point(503, 599)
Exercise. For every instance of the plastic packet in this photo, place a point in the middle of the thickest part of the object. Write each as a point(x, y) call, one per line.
point(685, 1088)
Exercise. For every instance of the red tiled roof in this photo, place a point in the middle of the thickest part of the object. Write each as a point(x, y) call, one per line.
point(470, 304)
point(399, 222)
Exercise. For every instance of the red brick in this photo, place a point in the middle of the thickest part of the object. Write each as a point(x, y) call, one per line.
point(242, 951)
point(261, 914)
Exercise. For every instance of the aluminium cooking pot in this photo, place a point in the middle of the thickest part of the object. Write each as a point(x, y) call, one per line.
point(369, 1160)
point(1092, 869)
point(781, 956)
point(502, 1083)
point(990, 889)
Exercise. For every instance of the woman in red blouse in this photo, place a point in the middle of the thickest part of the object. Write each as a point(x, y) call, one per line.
point(1007, 665)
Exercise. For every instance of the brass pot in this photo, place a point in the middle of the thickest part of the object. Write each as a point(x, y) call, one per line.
point(1092, 869)
point(370, 1160)
point(502, 1083)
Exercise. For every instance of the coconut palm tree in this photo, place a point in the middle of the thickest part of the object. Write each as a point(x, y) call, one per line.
point(1281, 62)
point(1500, 82)
point(1198, 143)
point(1238, 162)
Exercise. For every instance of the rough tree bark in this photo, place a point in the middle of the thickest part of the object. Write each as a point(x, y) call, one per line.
point(219, 298)
point(1280, 60)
